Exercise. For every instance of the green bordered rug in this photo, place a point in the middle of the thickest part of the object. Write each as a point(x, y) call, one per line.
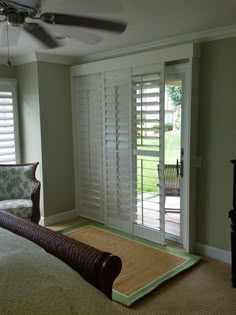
point(145, 265)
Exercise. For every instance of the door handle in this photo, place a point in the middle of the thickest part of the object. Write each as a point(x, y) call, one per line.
point(180, 167)
point(177, 167)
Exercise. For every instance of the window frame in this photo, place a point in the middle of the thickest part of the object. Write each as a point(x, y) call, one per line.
point(11, 85)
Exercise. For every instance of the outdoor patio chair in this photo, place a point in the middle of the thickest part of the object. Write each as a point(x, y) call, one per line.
point(20, 190)
point(171, 184)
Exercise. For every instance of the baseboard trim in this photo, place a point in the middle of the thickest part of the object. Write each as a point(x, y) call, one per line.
point(213, 252)
point(57, 218)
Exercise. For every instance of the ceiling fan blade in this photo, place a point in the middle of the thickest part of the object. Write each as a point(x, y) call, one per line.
point(82, 21)
point(38, 32)
point(61, 33)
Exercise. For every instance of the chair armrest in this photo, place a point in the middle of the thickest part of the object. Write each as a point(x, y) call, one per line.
point(97, 267)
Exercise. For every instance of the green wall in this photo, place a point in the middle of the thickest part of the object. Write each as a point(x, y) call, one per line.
point(56, 129)
point(29, 112)
point(7, 72)
point(29, 119)
point(46, 131)
point(216, 141)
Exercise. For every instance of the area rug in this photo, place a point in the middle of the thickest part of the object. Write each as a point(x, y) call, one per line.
point(145, 265)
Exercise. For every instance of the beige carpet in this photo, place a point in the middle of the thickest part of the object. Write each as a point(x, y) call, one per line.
point(204, 290)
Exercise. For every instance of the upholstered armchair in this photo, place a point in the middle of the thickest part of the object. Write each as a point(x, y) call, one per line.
point(20, 190)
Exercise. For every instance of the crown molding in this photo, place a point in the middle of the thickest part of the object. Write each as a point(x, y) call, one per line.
point(34, 57)
point(199, 37)
point(24, 59)
point(65, 60)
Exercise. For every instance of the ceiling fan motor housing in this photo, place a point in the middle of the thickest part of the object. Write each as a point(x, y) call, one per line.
point(15, 12)
point(15, 18)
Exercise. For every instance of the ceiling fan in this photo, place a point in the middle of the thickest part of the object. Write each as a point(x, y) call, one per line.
point(27, 13)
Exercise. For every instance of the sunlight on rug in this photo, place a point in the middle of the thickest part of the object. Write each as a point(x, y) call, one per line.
point(145, 265)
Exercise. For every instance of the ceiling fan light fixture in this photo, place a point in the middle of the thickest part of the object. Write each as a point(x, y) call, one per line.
point(16, 18)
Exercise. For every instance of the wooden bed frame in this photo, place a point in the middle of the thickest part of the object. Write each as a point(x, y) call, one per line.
point(97, 267)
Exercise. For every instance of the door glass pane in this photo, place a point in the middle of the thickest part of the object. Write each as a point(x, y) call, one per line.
point(147, 189)
point(173, 108)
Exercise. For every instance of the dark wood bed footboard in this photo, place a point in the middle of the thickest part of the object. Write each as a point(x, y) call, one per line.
point(97, 267)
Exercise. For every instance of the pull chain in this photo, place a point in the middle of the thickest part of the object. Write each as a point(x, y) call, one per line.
point(8, 50)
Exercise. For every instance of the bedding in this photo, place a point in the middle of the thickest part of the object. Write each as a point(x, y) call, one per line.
point(36, 282)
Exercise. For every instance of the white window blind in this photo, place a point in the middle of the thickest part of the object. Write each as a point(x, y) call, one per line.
point(117, 144)
point(90, 177)
point(8, 122)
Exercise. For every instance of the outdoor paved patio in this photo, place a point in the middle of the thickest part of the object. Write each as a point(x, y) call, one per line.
point(151, 213)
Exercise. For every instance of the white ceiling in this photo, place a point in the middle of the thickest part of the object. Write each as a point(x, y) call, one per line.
point(148, 21)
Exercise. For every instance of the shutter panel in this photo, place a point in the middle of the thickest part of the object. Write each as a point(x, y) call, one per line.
point(8, 118)
point(116, 148)
point(148, 152)
point(90, 179)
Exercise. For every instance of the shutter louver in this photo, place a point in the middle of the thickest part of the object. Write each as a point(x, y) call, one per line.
point(88, 99)
point(7, 129)
point(118, 184)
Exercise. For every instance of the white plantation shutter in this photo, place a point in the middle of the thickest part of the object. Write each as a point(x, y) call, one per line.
point(117, 147)
point(120, 145)
point(148, 152)
point(89, 120)
point(8, 122)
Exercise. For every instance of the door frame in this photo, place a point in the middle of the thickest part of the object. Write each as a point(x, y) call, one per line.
point(177, 71)
point(189, 52)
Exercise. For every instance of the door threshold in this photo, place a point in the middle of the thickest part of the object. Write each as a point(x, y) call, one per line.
point(173, 238)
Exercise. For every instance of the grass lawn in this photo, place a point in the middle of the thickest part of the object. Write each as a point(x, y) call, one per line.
point(150, 174)
point(172, 147)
